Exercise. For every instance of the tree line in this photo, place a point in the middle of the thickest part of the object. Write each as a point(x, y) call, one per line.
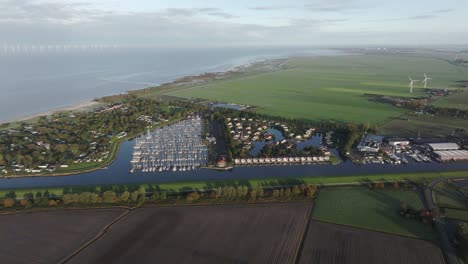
point(141, 196)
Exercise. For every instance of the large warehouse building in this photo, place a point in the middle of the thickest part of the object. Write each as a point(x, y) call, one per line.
point(451, 155)
point(442, 146)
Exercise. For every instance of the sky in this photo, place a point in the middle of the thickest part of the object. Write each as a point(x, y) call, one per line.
point(217, 23)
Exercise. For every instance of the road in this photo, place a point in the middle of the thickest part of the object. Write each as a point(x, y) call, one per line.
point(447, 247)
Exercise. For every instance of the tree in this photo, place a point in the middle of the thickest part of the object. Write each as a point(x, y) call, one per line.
point(109, 197)
point(310, 190)
point(296, 190)
point(462, 230)
point(276, 193)
point(141, 199)
point(124, 196)
point(242, 191)
point(26, 203)
point(134, 196)
point(192, 197)
point(68, 199)
point(8, 202)
point(260, 192)
point(142, 190)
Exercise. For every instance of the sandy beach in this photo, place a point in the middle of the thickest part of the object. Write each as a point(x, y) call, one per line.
point(76, 107)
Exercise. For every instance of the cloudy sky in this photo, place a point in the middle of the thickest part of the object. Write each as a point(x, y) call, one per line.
point(190, 23)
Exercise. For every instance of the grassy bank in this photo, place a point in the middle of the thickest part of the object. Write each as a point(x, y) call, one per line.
point(201, 185)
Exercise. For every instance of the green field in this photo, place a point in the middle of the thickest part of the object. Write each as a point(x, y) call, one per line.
point(200, 185)
point(446, 196)
point(426, 126)
point(458, 100)
point(371, 209)
point(461, 215)
point(324, 88)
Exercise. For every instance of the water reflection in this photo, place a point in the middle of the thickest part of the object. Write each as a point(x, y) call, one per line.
point(118, 172)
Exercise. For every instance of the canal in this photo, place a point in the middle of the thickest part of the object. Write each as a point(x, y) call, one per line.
point(119, 173)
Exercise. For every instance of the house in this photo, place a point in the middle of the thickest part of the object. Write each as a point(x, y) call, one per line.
point(221, 162)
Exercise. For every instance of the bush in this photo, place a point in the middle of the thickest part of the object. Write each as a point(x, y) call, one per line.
point(134, 196)
point(26, 203)
point(124, 196)
point(109, 197)
point(192, 197)
point(8, 202)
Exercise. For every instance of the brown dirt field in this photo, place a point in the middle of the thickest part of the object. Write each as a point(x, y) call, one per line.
point(48, 237)
point(268, 233)
point(330, 243)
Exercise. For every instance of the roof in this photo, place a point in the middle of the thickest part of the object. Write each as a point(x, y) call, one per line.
point(397, 139)
point(453, 153)
point(444, 146)
point(375, 138)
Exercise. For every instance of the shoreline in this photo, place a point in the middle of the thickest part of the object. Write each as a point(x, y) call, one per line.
point(178, 81)
point(83, 106)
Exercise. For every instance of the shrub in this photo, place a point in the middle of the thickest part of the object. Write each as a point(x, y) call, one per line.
point(192, 197)
point(8, 202)
point(124, 196)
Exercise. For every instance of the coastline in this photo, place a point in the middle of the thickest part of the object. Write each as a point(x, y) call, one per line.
point(178, 81)
point(83, 106)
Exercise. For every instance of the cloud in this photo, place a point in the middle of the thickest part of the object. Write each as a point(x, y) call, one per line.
point(333, 5)
point(28, 11)
point(440, 11)
point(28, 22)
point(423, 17)
point(215, 12)
point(270, 8)
point(221, 14)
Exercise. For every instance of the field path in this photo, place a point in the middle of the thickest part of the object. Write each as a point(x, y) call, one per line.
point(450, 253)
point(99, 235)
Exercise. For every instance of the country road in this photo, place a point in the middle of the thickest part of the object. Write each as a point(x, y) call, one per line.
point(439, 224)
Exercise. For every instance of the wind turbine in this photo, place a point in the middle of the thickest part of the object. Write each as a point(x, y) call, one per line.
point(411, 84)
point(425, 80)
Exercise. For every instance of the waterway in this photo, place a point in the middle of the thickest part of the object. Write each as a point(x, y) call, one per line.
point(118, 172)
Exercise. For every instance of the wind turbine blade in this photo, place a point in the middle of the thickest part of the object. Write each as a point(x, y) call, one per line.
point(410, 78)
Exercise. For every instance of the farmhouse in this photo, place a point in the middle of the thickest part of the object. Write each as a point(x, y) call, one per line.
point(221, 162)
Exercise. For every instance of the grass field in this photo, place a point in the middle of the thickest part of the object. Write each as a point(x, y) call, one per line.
point(461, 215)
point(457, 100)
point(371, 209)
point(327, 88)
point(446, 196)
point(427, 126)
point(330, 243)
point(176, 186)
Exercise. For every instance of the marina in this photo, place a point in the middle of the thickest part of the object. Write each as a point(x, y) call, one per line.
point(178, 147)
